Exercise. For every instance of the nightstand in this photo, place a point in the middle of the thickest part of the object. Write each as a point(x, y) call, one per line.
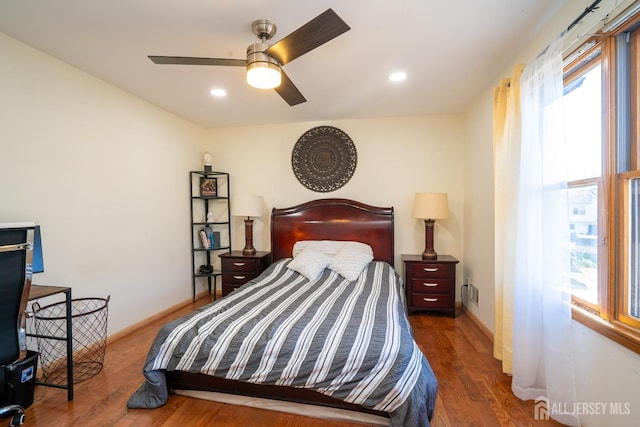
point(430, 284)
point(238, 269)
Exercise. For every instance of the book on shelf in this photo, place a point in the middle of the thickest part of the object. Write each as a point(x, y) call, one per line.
point(204, 239)
point(210, 239)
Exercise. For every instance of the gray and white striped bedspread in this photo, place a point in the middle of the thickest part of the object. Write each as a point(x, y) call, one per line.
point(348, 340)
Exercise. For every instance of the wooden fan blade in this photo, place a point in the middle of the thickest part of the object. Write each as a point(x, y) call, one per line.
point(289, 92)
point(324, 27)
point(187, 60)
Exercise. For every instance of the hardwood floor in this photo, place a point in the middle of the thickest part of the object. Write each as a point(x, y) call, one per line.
point(472, 389)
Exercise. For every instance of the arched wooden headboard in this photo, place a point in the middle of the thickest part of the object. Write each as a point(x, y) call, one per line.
point(333, 219)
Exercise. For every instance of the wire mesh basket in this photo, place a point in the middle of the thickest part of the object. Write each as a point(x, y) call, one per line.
point(89, 333)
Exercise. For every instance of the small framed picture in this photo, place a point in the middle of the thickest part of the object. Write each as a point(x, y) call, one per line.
point(208, 187)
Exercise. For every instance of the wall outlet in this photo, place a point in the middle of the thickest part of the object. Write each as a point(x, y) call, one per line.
point(474, 294)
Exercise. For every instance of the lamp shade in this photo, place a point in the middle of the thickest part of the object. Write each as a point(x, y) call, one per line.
point(248, 205)
point(431, 206)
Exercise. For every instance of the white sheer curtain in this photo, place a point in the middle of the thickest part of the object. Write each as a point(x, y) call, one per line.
point(542, 338)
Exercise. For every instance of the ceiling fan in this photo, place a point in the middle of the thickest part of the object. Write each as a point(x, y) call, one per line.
point(265, 62)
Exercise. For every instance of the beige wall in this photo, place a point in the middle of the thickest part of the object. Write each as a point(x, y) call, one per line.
point(397, 157)
point(478, 208)
point(104, 173)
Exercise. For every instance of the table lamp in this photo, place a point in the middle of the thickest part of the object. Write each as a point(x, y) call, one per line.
point(248, 205)
point(430, 206)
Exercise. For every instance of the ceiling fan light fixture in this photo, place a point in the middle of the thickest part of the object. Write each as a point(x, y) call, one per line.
point(263, 75)
point(263, 72)
point(263, 63)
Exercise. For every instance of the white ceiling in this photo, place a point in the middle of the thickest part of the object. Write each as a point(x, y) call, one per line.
point(451, 51)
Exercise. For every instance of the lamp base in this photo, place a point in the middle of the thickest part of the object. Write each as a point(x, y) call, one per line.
point(429, 253)
point(248, 238)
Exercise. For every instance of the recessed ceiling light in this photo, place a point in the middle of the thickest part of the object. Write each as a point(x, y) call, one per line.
point(218, 92)
point(397, 76)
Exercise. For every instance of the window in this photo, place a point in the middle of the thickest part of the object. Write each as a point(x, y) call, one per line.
point(583, 133)
point(601, 128)
point(584, 242)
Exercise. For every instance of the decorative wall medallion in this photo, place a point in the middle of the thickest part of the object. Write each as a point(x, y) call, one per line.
point(324, 159)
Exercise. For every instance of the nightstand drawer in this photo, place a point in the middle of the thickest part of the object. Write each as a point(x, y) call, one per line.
point(427, 301)
point(425, 269)
point(431, 286)
point(239, 265)
point(237, 278)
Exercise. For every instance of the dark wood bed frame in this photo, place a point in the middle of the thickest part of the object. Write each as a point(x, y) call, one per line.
point(324, 219)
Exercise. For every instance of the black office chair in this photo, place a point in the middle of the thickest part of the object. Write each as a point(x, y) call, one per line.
point(15, 283)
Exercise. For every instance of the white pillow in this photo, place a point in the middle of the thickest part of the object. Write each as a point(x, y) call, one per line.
point(330, 247)
point(310, 263)
point(349, 262)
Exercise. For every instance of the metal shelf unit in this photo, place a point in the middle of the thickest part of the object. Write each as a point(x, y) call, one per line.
point(209, 210)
